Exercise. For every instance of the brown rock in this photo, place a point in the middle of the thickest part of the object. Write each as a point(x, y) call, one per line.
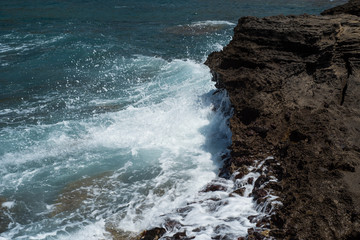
point(152, 234)
point(240, 191)
point(294, 82)
point(242, 171)
point(214, 187)
point(259, 193)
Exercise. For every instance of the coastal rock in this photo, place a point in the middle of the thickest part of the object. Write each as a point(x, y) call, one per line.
point(4, 218)
point(352, 7)
point(117, 234)
point(152, 234)
point(294, 83)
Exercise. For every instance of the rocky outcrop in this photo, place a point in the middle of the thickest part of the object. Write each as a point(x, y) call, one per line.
point(294, 82)
point(352, 7)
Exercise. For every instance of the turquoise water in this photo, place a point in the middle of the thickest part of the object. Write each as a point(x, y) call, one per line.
point(108, 118)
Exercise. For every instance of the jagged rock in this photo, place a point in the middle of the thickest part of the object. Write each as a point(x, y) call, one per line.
point(213, 187)
point(240, 191)
point(254, 235)
point(294, 83)
point(152, 234)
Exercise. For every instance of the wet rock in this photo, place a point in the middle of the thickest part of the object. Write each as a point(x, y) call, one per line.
point(212, 187)
point(265, 233)
point(241, 171)
point(254, 235)
point(199, 229)
point(260, 181)
point(4, 218)
point(259, 193)
point(294, 83)
point(152, 234)
point(117, 234)
point(170, 225)
point(253, 218)
point(262, 224)
point(240, 191)
point(241, 161)
point(180, 235)
point(75, 193)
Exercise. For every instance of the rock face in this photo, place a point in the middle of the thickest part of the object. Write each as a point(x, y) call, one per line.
point(294, 82)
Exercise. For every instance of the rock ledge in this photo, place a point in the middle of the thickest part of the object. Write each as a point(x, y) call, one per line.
point(294, 82)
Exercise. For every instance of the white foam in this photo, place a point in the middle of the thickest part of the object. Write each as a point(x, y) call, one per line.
point(212, 23)
point(170, 141)
point(172, 123)
point(28, 42)
point(9, 204)
point(216, 209)
point(92, 231)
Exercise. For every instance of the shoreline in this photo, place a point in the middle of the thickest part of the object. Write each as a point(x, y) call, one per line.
point(294, 82)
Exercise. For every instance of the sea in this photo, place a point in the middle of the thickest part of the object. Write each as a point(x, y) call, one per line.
point(109, 121)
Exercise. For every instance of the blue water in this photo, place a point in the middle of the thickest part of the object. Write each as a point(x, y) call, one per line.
point(108, 117)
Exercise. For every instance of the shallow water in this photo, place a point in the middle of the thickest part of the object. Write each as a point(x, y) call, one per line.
point(108, 117)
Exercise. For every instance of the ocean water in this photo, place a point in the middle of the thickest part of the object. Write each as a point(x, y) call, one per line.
point(109, 121)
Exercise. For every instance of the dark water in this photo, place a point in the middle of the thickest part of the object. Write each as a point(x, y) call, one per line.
point(106, 116)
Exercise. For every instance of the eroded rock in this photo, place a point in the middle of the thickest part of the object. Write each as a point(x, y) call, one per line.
point(294, 83)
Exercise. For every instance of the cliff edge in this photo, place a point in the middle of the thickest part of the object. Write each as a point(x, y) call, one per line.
point(294, 82)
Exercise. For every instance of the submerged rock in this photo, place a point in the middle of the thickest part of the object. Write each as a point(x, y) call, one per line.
point(4, 218)
point(294, 82)
point(198, 28)
point(74, 194)
point(194, 30)
point(117, 234)
point(152, 234)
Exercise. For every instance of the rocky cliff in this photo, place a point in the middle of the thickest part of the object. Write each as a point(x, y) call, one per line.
point(294, 82)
